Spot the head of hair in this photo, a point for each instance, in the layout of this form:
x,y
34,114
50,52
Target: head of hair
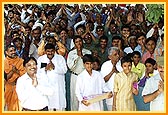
x,y
104,37
125,26
151,61
26,60
111,49
126,59
17,38
150,39
49,46
139,35
136,53
99,27
116,37
80,26
76,37
87,58
9,46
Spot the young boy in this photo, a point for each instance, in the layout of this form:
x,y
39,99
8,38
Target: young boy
x,y
123,87
137,66
89,82
153,91
150,71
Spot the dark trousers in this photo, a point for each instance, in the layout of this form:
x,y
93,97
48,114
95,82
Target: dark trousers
x,y
44,109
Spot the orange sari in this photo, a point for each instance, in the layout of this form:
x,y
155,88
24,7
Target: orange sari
x,y
11,99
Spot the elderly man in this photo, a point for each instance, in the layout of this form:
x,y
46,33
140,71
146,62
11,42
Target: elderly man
x,y
13,67
109,70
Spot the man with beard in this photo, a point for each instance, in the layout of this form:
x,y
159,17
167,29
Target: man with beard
x,y
55,67
33,87
13,67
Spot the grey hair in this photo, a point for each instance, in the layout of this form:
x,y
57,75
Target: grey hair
x,y
111,49
130,38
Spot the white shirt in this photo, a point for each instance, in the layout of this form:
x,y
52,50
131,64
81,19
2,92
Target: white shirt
x,y
151,86
75,62
87,85
105,70
33,98
56,79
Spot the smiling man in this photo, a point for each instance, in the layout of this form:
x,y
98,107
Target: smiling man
x,y
13,68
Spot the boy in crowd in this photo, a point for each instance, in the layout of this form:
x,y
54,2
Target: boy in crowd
x,y
123,87
89,82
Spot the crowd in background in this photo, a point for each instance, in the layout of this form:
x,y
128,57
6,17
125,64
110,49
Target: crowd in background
x,y
78,29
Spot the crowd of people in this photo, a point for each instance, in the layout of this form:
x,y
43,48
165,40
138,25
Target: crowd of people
x,y
58,54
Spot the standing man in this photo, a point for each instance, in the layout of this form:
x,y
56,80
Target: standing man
x,y
13,67
33,88
75,64
109,70
55,67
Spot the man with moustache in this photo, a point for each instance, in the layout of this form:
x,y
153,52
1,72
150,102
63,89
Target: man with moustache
x,y
75,64
13,68
33,87
55,67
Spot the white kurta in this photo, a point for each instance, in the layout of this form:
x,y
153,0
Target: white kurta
x,y
56,79
87,85
105,70
75,65
151,86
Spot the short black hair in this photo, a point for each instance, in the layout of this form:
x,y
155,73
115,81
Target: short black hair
x,y
126,59
17,38
151,61
87,58
150,39
26,60
136,53
104,37
75,37
9,46
49,46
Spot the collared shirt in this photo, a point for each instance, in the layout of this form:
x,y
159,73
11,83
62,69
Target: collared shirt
x,y
123,86
75,62
105,70
33,98
146,56
151,86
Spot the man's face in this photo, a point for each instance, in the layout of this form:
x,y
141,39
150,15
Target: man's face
x,y
50,53
78,43
36,34
103,43
11,52
114,57
31,67
125,32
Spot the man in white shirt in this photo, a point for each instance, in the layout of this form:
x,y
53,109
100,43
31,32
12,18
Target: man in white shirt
x,y
75,64
153,91
55,67
33,88
109,70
